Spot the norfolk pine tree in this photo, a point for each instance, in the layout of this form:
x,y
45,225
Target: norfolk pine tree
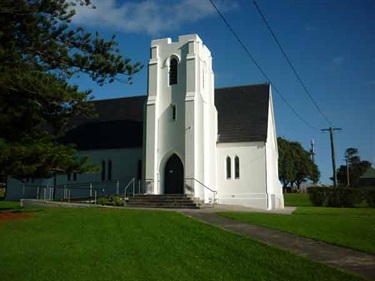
x,y
39,51
356,168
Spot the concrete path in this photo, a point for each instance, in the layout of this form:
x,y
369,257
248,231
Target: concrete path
x,y
350,260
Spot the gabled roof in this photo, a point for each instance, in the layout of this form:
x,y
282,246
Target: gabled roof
x,y
242,117
242,113
119,124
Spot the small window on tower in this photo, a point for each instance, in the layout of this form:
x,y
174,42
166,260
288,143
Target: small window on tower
x,y
174,113
173,71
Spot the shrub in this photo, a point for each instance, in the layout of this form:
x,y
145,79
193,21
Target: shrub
x,y
111,201
317,195
344,197
335,197
370,197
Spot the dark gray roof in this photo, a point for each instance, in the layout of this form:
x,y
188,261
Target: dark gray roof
x,y
242,113
119,124
242,117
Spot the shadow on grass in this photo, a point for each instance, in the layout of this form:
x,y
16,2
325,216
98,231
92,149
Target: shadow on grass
x,y
15,207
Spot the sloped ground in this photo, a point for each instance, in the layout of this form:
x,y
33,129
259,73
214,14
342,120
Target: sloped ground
x,y
117,244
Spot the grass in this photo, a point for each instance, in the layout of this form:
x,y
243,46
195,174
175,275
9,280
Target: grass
x,y
348,227
12,205
2,192
296,199
302,199
114,244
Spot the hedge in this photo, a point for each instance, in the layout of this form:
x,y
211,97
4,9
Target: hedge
x,y
370,198
336,197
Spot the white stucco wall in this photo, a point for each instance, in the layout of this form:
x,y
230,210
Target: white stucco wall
x,y
274,187
192,135
124,168
250,189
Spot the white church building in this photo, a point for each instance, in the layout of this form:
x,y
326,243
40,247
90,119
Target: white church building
x,y
184,137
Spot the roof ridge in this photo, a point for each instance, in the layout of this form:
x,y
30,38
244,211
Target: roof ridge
x,y
145,96
241,86
120,98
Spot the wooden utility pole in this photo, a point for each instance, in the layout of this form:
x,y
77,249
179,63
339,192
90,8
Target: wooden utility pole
x,y
331,130
347,171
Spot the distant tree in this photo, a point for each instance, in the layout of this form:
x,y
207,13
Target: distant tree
x,y
286,162
315,174
39,52
356,168
295,165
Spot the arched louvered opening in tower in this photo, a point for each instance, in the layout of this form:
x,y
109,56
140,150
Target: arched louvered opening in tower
x,y
173,71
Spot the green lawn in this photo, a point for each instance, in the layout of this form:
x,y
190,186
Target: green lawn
x,y
296,199
349,227
114,244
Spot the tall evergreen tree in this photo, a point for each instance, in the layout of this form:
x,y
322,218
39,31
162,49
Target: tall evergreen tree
x,y
39,51
295,165
356,168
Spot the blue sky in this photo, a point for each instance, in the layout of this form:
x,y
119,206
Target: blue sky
x,y
331,43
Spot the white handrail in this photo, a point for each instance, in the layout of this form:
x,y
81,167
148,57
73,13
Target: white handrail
x,y
214,192
132,181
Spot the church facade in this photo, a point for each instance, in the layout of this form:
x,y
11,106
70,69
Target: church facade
x,y
185,136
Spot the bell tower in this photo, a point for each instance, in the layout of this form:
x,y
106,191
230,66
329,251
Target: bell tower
x,y
181,118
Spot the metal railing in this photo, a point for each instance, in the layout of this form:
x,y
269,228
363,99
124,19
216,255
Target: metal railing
x,y
130,184
85,190
213,199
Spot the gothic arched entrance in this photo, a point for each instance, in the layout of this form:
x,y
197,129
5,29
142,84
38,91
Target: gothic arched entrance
x,y
174,176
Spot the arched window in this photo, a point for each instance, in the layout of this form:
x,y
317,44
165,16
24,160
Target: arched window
x,y
174,112
236,167
173,71
139,170
229,168
103,170
109,170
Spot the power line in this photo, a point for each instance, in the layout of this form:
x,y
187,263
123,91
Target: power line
x,y
290,64
260,68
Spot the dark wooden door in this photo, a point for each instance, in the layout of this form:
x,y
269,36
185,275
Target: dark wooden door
x,y
174,176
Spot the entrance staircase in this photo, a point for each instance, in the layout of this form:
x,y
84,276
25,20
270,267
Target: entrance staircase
x,y
171,201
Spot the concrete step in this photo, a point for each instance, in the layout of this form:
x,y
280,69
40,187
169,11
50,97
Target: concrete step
x,y
133,199
166,206
180,201
158,196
